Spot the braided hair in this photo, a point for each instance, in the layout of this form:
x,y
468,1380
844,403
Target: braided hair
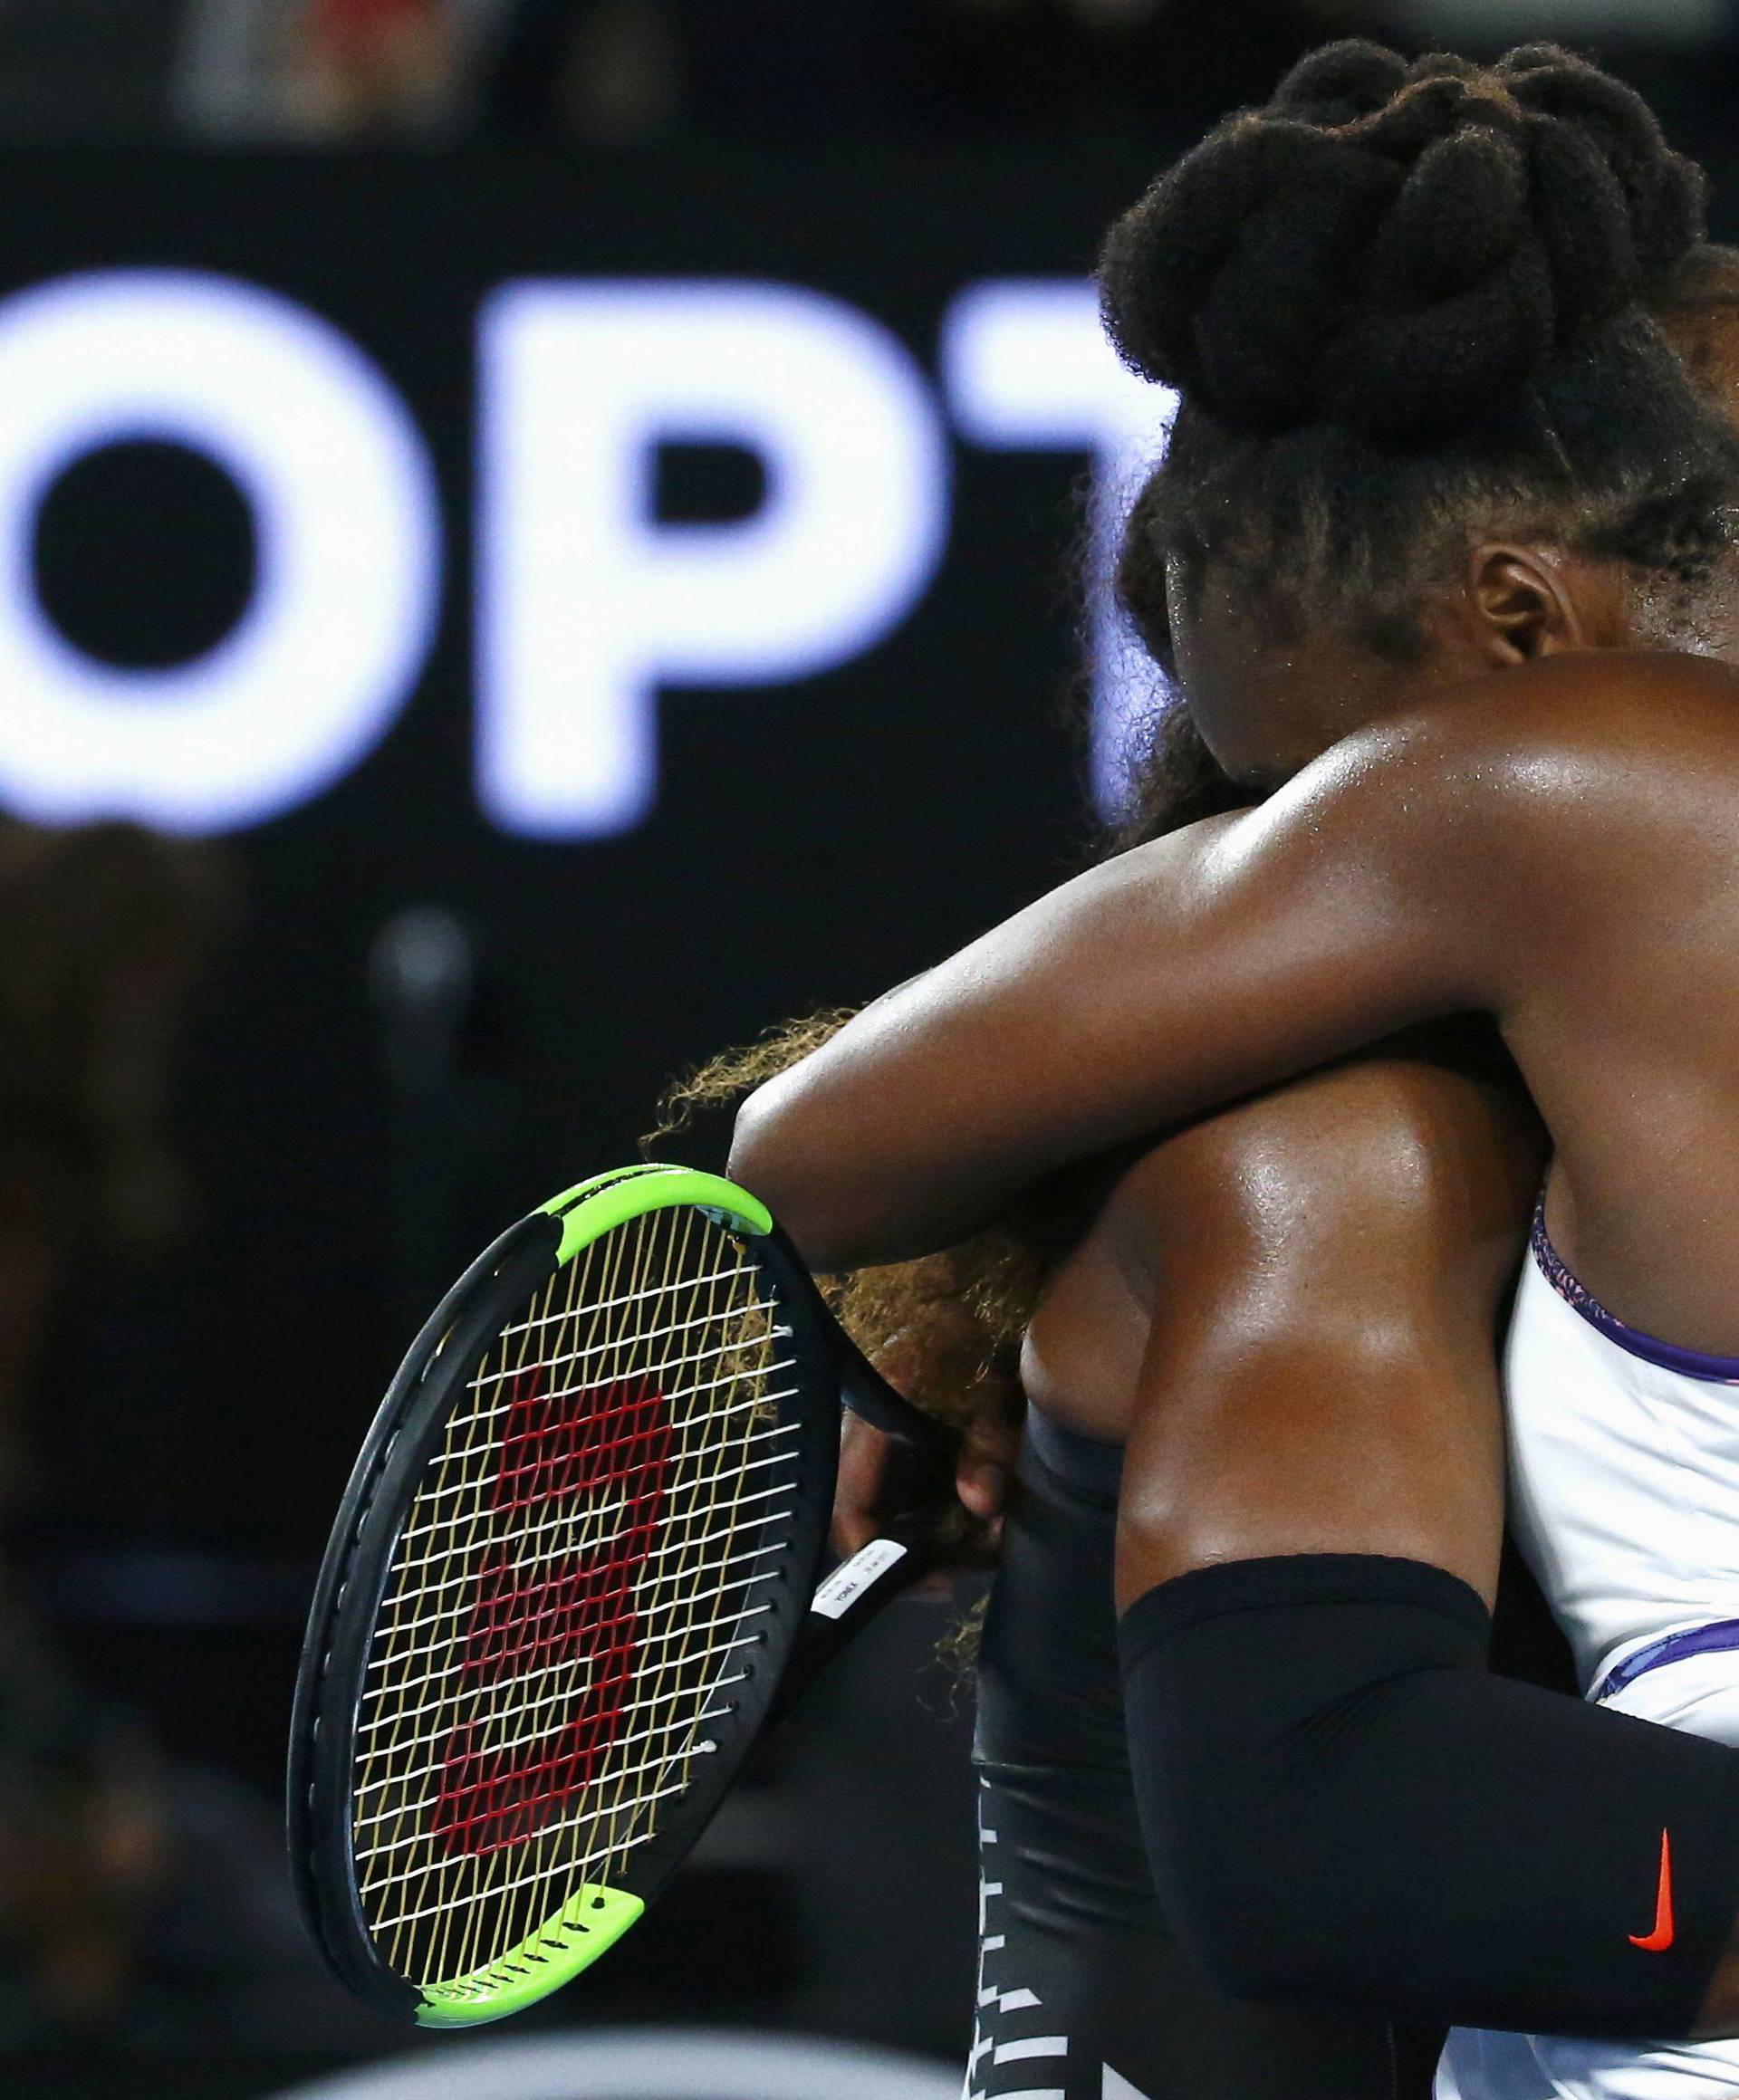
x,y
1401,304
1421,397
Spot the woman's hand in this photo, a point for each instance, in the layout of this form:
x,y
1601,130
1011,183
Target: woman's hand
x,y
875,1488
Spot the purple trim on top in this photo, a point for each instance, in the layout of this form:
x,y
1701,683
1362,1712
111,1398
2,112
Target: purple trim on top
x,y
1718,1638
1693,1363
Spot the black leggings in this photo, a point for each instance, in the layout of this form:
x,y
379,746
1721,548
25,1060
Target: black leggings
x,y
1084,1992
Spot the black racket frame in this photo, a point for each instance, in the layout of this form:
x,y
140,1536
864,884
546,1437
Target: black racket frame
x,y
793,1645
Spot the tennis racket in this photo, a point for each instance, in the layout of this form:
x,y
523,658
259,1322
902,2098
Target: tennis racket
x,y
571,1581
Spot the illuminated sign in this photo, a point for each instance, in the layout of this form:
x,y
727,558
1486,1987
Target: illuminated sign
x,y
1026,367
346,523
587,605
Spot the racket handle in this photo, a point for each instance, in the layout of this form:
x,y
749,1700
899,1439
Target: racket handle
x,y
857,1591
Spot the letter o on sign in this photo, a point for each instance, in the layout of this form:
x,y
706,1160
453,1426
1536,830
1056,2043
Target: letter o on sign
x,y
347,526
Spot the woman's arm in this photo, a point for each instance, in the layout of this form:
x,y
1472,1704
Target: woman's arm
x,y
1552,846
1339,1802
1331,1261
1179,975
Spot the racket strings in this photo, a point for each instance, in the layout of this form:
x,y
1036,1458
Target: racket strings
x,y
628,1298
631,1708
434,1591
572,1588
431,1501
523,1780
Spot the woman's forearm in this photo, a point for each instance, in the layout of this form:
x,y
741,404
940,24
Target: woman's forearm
x,y
935,1106
1341,1805
1175,978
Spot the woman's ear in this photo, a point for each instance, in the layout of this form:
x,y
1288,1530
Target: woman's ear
x,y
1525,601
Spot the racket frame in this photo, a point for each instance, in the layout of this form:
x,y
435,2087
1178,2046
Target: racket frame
x,y
406,1432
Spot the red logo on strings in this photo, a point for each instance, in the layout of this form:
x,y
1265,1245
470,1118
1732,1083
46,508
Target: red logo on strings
x,y
540,1609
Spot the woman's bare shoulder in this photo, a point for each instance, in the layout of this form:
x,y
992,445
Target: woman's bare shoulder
x,y
1570,777
1653,701
1420,1139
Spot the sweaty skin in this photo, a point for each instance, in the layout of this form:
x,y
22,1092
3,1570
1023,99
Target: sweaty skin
x,y
1234,1350
1289,1313
1557,846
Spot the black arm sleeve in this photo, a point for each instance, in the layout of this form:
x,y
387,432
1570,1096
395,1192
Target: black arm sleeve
x,y
1341,1804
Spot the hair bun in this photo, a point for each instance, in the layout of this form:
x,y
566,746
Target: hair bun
x,y
1393,247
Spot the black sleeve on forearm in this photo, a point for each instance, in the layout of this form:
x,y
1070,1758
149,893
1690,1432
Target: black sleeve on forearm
x,y
1341,1804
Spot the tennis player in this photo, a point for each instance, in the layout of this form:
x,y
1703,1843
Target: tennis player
x,y
1552,843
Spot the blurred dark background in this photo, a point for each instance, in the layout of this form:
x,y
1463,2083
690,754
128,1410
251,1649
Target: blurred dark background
x,y
356,995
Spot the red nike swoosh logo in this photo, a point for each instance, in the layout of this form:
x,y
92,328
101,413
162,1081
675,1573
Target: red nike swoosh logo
x,y
1661,1938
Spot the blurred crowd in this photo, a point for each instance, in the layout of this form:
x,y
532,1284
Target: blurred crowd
x,y
621,72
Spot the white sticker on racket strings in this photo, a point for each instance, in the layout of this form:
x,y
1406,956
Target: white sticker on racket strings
x,y
848,1581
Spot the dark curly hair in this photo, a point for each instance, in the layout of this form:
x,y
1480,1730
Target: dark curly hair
x,y
1401,301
